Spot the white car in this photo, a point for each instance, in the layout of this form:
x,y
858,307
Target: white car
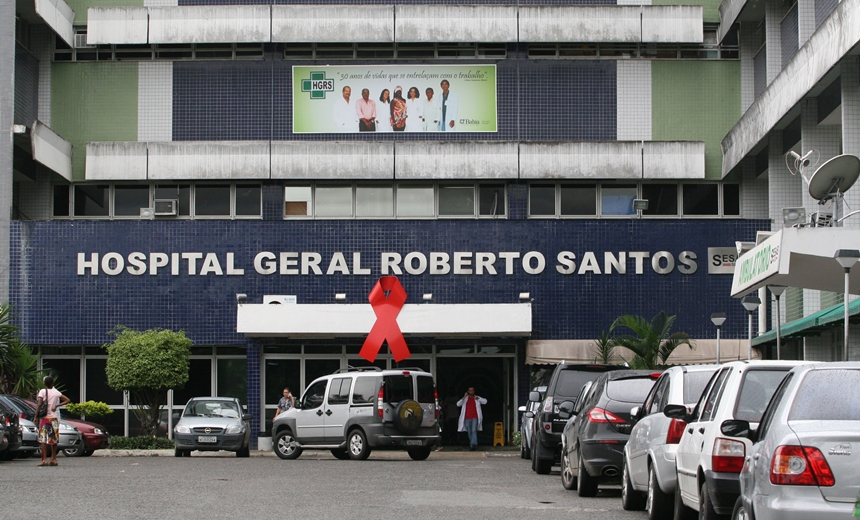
x,y
707,461
648,474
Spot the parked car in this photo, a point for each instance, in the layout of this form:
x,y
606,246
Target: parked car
x,y
212,424
70,437
648,474
707,462
801,464
598,428
12,432
564,385
94,435
526,423
356,410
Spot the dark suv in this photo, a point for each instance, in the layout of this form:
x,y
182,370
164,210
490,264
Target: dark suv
x,y
564,385
356,410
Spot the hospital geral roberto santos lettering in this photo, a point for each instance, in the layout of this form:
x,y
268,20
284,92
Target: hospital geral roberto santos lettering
x,y
414,263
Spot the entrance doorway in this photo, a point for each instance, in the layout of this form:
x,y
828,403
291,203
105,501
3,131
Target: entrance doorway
x,y
492,378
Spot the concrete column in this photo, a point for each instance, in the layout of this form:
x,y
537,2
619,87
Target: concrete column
x,y
748,50
755,190
254,392
774,10
784,189
7,115
851,126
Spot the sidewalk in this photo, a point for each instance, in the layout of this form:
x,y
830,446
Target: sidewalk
x,y
448,452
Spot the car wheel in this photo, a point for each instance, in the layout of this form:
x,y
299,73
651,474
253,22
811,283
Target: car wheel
x,y
658,504
631,500
357,446
286,446
176,453
244,452
681,511
532,457
568,479
419,453
73,452
587,484
340,453
408,416
186,453
88,453
740,511
542,465
528,451
706,507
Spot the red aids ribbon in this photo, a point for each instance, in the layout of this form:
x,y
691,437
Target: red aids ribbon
x,y
386,329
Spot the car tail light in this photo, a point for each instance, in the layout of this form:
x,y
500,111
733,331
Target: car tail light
x,y
547,404
728,455
380,401
22,416
800,466
436,400
676,430
599,415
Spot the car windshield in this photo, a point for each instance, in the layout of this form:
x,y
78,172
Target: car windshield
x,y
694,384
756,390
822,396
570,383
629,390
203,408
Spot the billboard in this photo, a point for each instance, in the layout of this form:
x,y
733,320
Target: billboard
x,y
394,98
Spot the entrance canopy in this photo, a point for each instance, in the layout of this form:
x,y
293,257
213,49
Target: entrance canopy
x,y
798,257
430,319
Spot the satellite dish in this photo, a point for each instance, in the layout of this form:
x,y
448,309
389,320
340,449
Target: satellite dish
x,y
834,177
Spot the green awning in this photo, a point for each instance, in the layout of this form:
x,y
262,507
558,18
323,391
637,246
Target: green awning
x,y
810,325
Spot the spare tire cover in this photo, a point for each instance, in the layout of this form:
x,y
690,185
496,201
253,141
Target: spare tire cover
x,y
408,416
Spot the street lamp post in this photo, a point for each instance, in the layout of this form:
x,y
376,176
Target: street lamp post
x,y
718,318
846,258
777,291
750,303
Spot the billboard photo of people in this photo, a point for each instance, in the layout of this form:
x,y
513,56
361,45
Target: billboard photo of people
x,y
394,98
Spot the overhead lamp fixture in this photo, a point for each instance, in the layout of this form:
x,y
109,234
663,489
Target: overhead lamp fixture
x,y
718,318
750,303
427,297
793,217
340,297
242,298
525,297
777,291
846,258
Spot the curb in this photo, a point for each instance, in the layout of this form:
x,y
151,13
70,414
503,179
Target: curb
x,y
318,454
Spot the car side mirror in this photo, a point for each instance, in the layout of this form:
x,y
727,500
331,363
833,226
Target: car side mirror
x,y
521,409
565,409
529,415
634,413
534,396
676,411
737,428
247,417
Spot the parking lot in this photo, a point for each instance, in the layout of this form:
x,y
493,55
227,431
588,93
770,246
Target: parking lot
x,y
480,485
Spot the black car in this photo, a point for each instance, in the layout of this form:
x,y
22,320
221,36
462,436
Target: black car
x,y
12,433
564,385
598,427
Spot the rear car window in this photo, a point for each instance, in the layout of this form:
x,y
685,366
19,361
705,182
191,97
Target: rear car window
x,y
425,389
757,388
364,390
629,390
694,384
570,382
822,396
398,388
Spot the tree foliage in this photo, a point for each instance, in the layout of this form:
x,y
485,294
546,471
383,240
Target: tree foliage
x,y
19,367
147,364
89,409
651,342
604,349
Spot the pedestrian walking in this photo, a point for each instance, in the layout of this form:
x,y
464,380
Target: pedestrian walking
x,y
471,417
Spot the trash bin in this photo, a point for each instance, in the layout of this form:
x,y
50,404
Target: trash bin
x,y
264,443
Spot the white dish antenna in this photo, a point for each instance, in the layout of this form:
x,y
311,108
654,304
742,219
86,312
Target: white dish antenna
x,y
834,178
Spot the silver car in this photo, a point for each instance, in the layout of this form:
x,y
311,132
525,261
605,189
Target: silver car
x,y
803,462
213,424
529,412
70,438
648,474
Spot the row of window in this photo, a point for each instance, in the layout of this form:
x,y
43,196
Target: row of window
x,y
389,51
565,199
385,200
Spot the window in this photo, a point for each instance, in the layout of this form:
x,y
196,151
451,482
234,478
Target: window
x,y
491,200
732,200
334,201
248,200
61,200
298,201
338,391
709,398
826,386
92,200
701,199
212,200
617,199
128,200
364,390
578,199
542,200
314,396
756,390
415,201
398,388
374,201
456,201
179,192
662,199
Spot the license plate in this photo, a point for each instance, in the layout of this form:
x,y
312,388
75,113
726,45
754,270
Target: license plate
x,y
207,439
414,443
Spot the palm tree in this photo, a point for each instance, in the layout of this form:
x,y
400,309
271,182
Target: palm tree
x,y
651,343
604,348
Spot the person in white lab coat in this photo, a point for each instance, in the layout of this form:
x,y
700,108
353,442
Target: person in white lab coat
x,y
345,118
432,111
414,111
449,108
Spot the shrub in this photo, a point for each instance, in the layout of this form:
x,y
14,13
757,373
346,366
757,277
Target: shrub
x,y
142,442
517,439
89,408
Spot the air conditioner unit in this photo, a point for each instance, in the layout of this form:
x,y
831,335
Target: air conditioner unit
x,y
81,41
166,207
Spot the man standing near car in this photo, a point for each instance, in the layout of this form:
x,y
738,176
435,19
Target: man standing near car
x,y
471,418
49,425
